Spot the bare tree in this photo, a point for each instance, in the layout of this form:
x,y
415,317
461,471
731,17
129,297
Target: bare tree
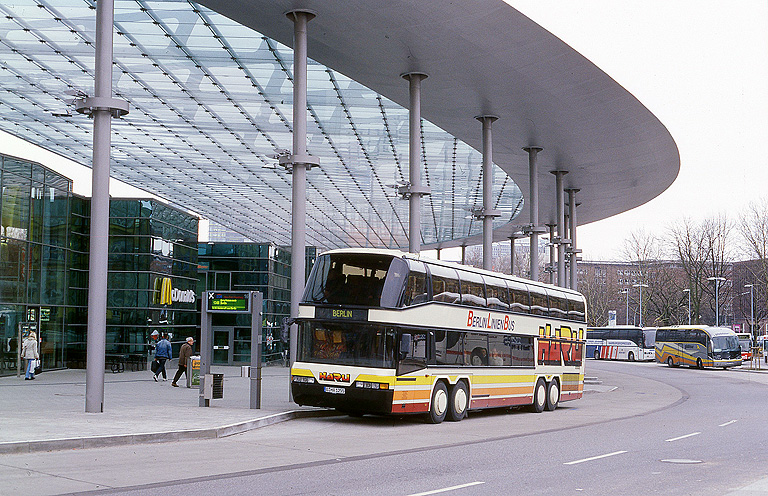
x,y
661,297
753,227
704,251
601,294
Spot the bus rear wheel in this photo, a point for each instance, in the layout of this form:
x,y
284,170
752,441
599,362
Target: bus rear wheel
x,y
539,396
439,407
631,357
459,399
670,362
596,355
553,395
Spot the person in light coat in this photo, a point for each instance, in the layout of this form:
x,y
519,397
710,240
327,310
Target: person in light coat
x,y
30,354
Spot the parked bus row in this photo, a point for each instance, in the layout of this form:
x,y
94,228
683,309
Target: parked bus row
x,y
386,332
695,346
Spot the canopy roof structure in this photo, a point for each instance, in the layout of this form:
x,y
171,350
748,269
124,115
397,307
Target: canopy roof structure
x,y
210,100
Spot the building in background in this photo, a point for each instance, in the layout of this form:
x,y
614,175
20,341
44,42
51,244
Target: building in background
x,y
35,231
260,267
157,271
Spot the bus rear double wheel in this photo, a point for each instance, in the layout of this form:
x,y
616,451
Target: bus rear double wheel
x,y
448,402
545,396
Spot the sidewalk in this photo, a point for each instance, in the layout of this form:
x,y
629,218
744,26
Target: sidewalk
x,y
49,412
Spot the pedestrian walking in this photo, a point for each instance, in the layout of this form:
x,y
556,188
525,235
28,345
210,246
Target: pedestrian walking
x,y
30,354
184,353
162,354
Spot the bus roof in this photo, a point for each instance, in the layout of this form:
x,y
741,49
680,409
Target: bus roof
x,y
711,330
421,258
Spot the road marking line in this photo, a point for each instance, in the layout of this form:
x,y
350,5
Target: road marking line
x,y
594,458
446,489
682,437
728,423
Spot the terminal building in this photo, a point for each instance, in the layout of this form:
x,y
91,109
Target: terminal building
x,y
297,124
157,270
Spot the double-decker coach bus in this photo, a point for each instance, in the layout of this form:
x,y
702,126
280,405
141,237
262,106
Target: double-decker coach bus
x,y
621,343
697,346
386,332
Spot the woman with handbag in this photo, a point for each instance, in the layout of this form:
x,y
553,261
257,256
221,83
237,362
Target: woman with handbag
x,y
30,354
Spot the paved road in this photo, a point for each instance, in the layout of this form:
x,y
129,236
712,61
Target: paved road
x,y
628,440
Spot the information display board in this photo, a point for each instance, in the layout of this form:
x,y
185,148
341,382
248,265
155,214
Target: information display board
x,y
229,301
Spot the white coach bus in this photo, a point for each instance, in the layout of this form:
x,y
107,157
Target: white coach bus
x,y
387,332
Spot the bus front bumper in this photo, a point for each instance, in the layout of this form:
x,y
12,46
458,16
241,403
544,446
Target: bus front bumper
x,y
348,399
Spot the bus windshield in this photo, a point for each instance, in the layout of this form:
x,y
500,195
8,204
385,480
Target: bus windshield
x,y
370,280
724,343
649,338
346,344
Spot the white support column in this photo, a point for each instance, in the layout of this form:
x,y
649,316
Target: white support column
x,y
102,107
297,164
512,255
552,254
534,229
414,190
561,236
573,249
487,213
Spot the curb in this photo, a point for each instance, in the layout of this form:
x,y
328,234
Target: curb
x,y
22,447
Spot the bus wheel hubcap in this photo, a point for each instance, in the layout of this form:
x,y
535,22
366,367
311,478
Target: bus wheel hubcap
x,y
441,402
460,401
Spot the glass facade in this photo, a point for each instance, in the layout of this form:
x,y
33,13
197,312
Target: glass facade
x,y
249,267
151,281
157,271
34,254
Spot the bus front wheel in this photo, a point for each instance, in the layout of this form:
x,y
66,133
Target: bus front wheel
x,y
596,355
553,395
670,362
459,399
439,404
539,396
699,363
631,357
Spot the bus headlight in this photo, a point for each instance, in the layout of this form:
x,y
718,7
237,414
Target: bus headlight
x,y
371,385
303,379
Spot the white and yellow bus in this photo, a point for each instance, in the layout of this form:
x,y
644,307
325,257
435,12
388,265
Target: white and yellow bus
x,y
387,332
697,346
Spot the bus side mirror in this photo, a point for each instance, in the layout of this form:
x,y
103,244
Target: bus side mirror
x,y
405,345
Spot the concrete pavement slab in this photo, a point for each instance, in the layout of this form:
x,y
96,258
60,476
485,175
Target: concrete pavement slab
x,y
49,412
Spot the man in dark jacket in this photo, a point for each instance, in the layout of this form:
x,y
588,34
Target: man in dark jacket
x,y
162,354
184,353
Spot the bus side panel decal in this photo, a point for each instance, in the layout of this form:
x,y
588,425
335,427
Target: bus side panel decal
x,y
411,399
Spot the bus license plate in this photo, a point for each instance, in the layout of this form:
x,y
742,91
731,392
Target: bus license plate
x,y
334,390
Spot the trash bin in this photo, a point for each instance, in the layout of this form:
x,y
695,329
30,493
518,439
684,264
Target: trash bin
x,y
218,386
193,371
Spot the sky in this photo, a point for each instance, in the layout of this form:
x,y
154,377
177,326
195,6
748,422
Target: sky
x,y
700,66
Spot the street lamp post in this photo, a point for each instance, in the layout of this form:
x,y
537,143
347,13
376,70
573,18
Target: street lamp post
x,y
751,310
689,304
641,286
626,292
717,300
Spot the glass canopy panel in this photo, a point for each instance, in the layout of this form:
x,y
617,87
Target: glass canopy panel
x,y
211,105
